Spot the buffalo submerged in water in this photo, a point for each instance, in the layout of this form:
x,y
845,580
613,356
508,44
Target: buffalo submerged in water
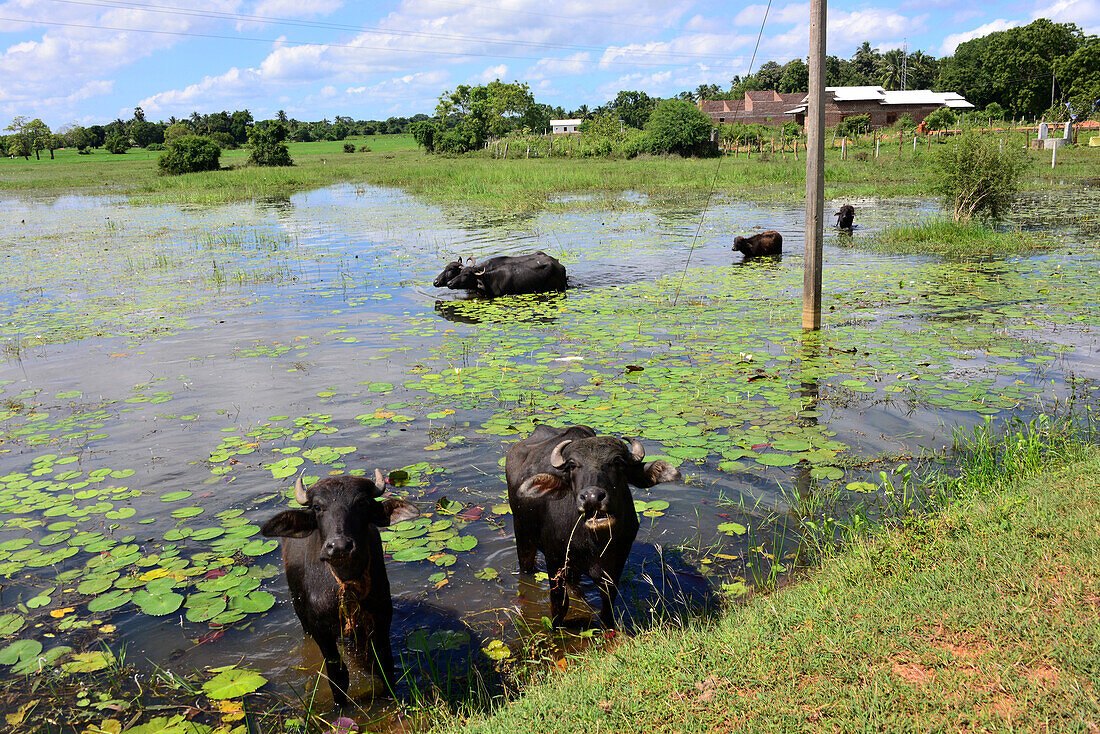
x,y
504,275
569,491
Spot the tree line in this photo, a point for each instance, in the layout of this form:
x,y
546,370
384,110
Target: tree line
x,y
29,137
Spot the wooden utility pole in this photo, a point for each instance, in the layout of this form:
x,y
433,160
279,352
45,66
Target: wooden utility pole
x,y
815,170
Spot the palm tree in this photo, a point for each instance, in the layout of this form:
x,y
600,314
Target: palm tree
x,y
889,66
921,70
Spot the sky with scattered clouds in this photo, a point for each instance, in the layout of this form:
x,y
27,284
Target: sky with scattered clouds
x,y
90,61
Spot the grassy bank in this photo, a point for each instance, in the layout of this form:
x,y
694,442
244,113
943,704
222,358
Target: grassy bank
x,y
948,238
983,616
515,184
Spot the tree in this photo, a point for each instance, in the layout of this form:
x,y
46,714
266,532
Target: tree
x,y
677,126
145,133
633,108
1079,75
864,63
239,123
976,176
139,114
117,143
176,130
97,135
424,133
795,78
890,68
940,119
267,147
190,154
921,70
19,143
38,136
1014,67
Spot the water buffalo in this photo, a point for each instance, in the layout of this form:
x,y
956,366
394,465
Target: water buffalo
x,y
570,497
845,216
505,275
759,245
332,555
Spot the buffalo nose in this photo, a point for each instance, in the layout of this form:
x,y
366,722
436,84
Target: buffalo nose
x,y
593,499
338,547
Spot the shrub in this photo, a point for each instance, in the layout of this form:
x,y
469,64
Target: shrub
x,y
994,111
677,126
975,176
853,125
791,130
349,147
906,122
155,146
84,151
267,147
364,149
940,119
425,132
176,130
189,154
117,144
223,140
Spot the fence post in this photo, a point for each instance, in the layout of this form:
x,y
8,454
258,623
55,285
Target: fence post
x,y
876,148
844,148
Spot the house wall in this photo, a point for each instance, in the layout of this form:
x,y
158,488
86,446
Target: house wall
x,y
768,108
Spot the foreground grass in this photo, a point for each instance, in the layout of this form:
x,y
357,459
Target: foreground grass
x,y
949,238
985,616
522,184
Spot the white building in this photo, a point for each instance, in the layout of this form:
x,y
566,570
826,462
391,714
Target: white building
x,y
561,127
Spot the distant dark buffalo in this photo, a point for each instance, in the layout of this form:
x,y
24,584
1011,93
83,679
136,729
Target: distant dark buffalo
x,y
845,216
570,497
759,245
505,275
332,554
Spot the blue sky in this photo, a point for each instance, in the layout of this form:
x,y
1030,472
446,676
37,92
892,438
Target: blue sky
x,y
89,61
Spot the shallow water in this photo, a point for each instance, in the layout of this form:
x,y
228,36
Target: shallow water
x,y
208,349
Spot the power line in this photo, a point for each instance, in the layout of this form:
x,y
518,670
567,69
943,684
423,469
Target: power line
x,y
325,25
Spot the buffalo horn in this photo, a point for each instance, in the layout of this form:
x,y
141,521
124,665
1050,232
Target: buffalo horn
x,y
469,261
636,449
300,495
556,459
379,480
480,272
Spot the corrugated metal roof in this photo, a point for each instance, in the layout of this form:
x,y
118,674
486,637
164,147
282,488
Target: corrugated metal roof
x,y
913,96
854,94
566,122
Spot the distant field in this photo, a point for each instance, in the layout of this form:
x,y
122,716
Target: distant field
x,y
515,184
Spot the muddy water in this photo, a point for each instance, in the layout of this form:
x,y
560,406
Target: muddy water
x,y
194,349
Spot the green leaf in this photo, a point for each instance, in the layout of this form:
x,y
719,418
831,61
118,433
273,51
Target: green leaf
x,y
88,662
10,624
20,650
159,604
110,600
233,683
732,528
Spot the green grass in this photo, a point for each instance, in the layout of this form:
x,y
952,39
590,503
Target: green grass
x,y
983,616
948,238
480,181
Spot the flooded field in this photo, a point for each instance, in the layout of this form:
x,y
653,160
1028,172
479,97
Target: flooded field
x,y
166,372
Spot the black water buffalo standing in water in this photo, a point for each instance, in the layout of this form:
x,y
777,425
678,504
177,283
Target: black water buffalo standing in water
x,y
332,555
570,498
505,275
759,245
845,216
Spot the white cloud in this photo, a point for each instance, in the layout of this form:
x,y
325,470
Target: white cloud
x,y
577,63
952,41
1085,13
500,71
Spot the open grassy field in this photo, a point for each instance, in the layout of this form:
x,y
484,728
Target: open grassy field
x,y
983,617
514,184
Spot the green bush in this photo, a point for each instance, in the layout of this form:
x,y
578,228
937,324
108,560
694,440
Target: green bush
x,y
155,146
940,119
994,111
189,154
853,125
349,147
267,147
424,132
742,133
679,127
117,144
364,149
976,176
225,141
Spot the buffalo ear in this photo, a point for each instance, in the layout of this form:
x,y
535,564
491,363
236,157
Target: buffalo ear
x,y
395,510
655,472
541,485
290,524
